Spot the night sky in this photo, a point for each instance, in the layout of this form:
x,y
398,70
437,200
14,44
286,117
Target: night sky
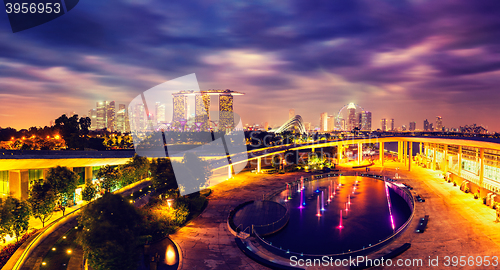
x,y
407,60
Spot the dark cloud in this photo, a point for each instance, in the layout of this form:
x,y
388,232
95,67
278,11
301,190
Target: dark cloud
x,y
374,50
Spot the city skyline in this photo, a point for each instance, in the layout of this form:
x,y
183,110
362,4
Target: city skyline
x,y
436,63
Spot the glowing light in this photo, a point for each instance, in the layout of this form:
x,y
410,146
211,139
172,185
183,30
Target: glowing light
x,y
57,137
69,251
340,221
170,258
53,249
169,203
64,237
23,138
44,263
317,207
12,138
390,207
322,201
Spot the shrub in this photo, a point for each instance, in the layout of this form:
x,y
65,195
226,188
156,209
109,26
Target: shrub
x,y
455,183
11,248
466,189
476,196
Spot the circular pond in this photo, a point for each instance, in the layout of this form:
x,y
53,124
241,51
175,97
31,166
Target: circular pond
x,y
338,215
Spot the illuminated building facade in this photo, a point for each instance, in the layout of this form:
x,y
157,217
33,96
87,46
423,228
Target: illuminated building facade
x,y
426,125
159,113
180,107
365,120
202,111
100,115
323,122
413,126
439,123
110,115
351,123
121,118
202,115
383,124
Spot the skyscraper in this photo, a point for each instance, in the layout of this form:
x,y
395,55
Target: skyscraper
x,y
100,115
351,123
331,123
439,123
291,113
426,125
121,117
323,122
413,126
339,122
110,116
160,113
365,120
392,124
383,124
180,108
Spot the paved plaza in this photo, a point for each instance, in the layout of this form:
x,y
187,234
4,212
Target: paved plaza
x,y
458,224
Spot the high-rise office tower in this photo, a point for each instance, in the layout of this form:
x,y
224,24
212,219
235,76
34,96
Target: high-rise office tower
x,y
383,124
180,108
121,118
101,114
323,122
331,123
426,125
365,120
160,113
351,123
413,126
291,113
392,124
110,115
339,123
439,123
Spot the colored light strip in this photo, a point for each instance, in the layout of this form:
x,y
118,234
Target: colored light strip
x,y
390,207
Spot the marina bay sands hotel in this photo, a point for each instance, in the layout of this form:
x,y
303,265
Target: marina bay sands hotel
x,y
203,117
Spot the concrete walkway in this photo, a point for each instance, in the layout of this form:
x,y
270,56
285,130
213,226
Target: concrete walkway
x,y
458,224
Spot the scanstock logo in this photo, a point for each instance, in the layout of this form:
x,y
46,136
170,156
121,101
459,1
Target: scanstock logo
x,y
157,139
25,14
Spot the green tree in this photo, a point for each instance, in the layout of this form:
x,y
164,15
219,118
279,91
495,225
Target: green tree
x,y
64,182
109,237
6,218
141,166
199,172
42,201
89,192
162,174
20,216
109,177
